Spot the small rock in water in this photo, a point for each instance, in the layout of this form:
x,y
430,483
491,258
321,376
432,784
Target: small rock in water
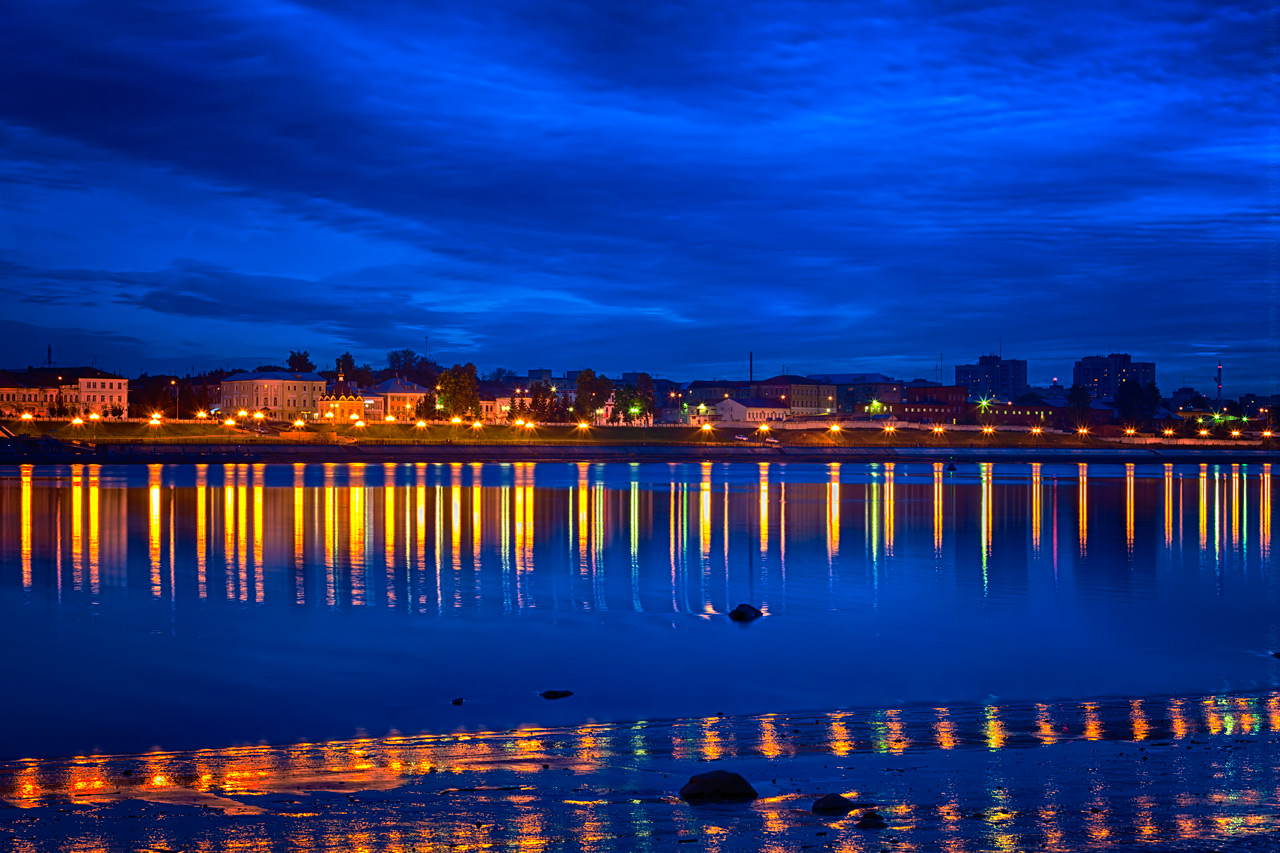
x,y
556,694
744,613
1275,654
833,804
457,701
718,786
870,819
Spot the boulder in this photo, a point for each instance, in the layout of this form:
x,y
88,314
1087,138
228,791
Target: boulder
x,y
556,694
870,819
457,701
744,613
718,786
833,804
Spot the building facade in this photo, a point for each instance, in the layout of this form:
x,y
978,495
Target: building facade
x,y
994,378
63,392
279,395
803,396
751,410
1102,375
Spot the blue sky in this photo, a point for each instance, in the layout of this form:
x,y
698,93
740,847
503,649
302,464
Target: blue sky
x,y
640,185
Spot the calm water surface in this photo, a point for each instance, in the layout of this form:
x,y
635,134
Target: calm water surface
x,y
186,606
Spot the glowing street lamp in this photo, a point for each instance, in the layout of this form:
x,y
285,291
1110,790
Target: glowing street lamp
x,y
1036,430
353,417
1235,433
93,416
988,430
328,414
1203,433
360,424
257,416
1266,433
229,422
1168,432
389,418
763,428
1083,430
937,430
242,414
477,425
77,421
835,427
299,423
706,427
420,425
1130,431
26,416
582,425
890,428
202,414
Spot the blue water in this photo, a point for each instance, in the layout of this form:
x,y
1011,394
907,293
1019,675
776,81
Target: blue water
x,y
184,607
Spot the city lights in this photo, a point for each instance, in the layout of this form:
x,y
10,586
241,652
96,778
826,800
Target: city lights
x,y
706,427
242,414
360,424
835,427
988,430
1083,430
390,418
257,416
1203,433
937,430
93,416
890,428
455,420
1168,432
77,421
582,425
420,425
1130,431
1235,433
229,422
202,414
1035,430
299,423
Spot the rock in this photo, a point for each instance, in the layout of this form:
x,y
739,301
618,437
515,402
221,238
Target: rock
x,y
457,701
833,804
870,819
744,613
718,786
556,694
1275,654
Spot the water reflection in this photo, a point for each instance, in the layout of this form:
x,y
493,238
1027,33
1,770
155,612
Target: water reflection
x,y
512,788
883,558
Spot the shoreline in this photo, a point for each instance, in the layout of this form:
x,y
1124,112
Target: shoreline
x,y
1168,774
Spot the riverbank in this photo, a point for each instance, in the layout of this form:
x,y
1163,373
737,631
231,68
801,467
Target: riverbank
x,y
512,453
1176,774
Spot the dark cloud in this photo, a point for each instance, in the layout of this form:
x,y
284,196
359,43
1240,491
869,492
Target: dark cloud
x,y
647,184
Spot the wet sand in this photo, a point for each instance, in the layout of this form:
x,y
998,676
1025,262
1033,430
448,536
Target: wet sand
x,y
1170,774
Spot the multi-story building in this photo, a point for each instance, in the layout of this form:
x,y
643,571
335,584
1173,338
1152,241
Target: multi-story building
x,y
1103,374
400,397
994,378
853,391
279,395
803,396
63,392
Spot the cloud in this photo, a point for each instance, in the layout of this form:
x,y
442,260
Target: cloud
x,y
841,183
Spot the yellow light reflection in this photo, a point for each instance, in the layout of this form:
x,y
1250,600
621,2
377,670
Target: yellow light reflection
x,y
833,513
153,526
77,525
25,521
1092,722
1045,732
1138,719
202,531
889,526
259,535
1037,506
1128,506
1083,508
1168,506
944,729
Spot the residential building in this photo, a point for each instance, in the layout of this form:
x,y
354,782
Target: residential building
x,y
1102,374
853,391
751,410
278,394
712,391
63,391
802,395
400,398
994,378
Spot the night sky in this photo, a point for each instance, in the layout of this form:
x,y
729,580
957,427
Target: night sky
x,y
642,185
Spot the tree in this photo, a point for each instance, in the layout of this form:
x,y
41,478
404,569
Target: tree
x,y
1129,401
299,361
269,368
457,391
402,361
346,364
1078,399
593,393
501,374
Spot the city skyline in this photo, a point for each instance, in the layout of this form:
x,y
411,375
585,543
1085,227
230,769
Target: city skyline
x,y
653,187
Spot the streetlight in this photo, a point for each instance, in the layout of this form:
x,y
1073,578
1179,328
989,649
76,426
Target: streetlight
x,y
890,429
938,430
706,427
835,428
1083,430
988,430
1035,430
